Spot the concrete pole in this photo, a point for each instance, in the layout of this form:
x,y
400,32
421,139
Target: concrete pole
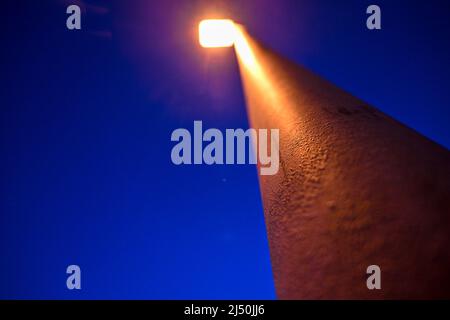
x,y
355,188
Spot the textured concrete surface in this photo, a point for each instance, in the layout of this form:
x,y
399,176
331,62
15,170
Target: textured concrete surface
x,y
355,188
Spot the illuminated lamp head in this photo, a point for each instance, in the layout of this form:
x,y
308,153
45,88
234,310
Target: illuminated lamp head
x,y
217,33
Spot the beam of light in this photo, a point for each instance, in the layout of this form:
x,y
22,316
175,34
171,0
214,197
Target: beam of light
x,y
216,33
257,77
247,59
245,54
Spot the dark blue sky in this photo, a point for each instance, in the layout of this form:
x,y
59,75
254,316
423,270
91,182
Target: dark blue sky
x,y
86,118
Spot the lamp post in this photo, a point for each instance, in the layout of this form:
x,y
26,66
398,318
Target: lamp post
x,y
355,188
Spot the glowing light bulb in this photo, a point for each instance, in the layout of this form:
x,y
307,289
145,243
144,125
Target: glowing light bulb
x,y
216,33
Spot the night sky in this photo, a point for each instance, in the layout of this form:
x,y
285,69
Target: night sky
x,y
86,118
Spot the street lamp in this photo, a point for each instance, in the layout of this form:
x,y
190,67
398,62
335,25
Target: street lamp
x,y
355,188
